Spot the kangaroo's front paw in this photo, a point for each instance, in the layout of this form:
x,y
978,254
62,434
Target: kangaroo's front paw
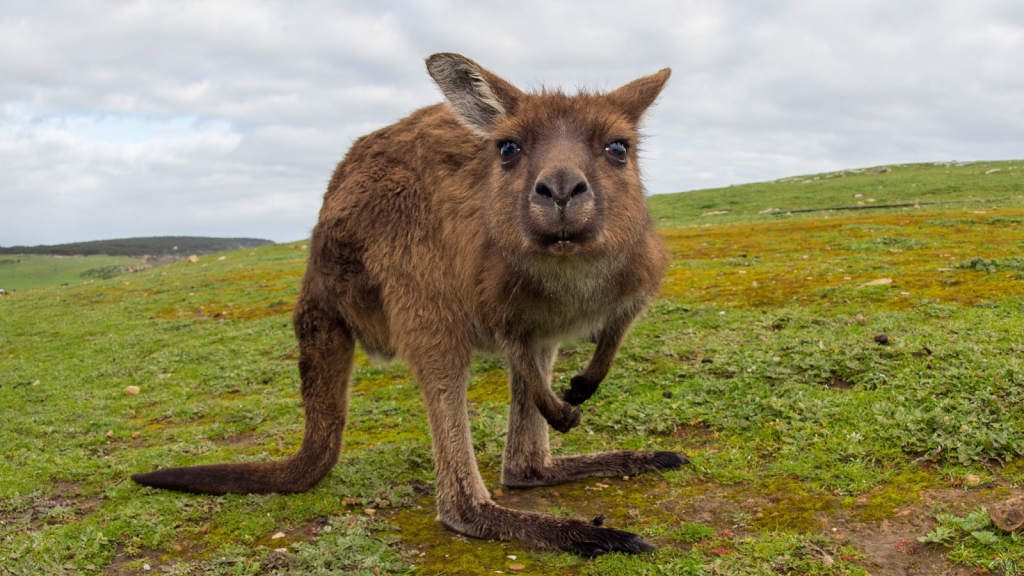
x,y
567,419
579,391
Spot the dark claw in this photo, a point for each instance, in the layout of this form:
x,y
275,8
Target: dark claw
x,y
570,419
661,460
598,520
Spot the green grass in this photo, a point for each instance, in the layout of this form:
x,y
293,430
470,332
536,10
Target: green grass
x,y
978,183
809,441
30,272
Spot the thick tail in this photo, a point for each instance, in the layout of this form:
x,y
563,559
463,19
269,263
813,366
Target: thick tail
x,y
327,350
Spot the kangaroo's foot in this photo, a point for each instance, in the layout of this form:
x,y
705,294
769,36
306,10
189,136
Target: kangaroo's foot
x,y
569,468
587,539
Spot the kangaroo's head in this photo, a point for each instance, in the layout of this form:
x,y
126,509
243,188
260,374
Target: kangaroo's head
x,y
563,178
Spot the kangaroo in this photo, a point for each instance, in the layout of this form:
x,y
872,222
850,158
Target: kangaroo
x,y
500,221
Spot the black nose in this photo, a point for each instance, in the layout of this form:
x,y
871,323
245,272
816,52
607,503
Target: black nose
x,y
561,186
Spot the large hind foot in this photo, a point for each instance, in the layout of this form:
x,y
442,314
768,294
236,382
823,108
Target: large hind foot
x,y
587,539
569,468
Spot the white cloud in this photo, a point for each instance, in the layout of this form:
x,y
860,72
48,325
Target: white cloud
x,y
226,118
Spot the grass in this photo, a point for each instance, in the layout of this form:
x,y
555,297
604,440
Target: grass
x,y
815,449
30,272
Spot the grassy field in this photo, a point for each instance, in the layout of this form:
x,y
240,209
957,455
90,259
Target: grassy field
x,y
29,272
815,448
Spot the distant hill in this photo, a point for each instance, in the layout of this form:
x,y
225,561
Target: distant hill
x,y
173,246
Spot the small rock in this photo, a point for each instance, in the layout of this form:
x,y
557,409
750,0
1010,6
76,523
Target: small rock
x,y
36,383
222,258
972,480
136,434
369,511
827,560
556,442
1008,515
131,390
280,550
666,394
517,567
663,485
277,536
110,433
861,319
303,247
879,282
511,556
193,259
145,567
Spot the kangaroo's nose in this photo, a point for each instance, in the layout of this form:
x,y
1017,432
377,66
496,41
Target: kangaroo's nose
x,y
560,186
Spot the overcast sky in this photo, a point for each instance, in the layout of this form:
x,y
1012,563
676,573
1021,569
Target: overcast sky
x,y
226,117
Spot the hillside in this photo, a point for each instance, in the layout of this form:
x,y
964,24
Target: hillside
x,y
848,386
933,186
182,246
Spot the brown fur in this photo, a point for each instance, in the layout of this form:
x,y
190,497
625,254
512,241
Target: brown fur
x,y
428,246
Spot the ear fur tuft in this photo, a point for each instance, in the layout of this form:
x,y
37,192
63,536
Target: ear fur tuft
x,y
636,97
478,98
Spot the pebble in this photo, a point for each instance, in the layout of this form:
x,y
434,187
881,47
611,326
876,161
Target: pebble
x,y
972,480
861,319
517,567
369,511
278,535
131,390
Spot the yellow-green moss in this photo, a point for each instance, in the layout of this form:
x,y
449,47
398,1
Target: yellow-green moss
x,y
885,502
794,508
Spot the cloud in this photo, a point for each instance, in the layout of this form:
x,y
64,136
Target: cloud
x,y
227,118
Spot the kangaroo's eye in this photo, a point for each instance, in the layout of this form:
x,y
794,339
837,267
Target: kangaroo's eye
x,y
617,150
508,151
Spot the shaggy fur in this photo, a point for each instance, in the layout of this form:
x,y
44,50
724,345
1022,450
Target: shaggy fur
x,y
437,238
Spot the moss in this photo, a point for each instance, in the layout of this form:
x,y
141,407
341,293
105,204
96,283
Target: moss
x,y
825,261
490,386
795,508
885,502
1013,472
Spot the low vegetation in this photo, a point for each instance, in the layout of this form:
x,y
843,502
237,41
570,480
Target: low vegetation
x,y
135,247
817,445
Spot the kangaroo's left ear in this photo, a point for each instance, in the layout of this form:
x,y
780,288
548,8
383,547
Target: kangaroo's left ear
x,y
636,97
479,98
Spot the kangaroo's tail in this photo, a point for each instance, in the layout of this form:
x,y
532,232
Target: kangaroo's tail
x,y
327,351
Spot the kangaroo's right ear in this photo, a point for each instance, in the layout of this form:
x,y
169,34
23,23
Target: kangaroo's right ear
x,y
479,98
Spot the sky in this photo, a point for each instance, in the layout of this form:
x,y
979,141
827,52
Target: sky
x,y
227,117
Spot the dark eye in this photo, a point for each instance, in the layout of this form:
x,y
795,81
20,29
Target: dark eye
x,y
508,151
617,150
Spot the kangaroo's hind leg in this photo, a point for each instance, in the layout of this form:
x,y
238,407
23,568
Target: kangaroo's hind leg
x,y
527,460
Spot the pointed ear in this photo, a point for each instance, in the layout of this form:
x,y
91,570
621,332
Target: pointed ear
x,y
636,97
478,98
